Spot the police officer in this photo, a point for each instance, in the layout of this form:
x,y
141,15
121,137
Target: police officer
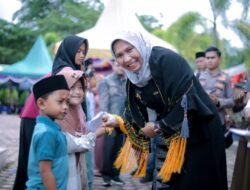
x,y
217,84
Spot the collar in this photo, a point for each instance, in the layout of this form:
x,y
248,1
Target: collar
x,y
48,122
215,73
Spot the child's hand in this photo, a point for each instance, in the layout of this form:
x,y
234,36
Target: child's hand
x,y
109,120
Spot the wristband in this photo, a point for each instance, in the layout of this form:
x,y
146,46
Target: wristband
x,y
157,127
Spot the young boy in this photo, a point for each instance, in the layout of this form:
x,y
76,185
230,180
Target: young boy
x,y
48,161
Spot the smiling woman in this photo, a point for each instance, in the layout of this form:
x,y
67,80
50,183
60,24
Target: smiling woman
x,y
187,129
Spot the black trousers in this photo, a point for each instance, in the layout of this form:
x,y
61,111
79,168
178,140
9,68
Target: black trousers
x,y
26,130
112,145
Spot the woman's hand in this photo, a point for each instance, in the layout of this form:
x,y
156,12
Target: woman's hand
x,y
149,130
108,120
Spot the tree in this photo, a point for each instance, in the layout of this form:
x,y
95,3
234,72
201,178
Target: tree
x,y
61,16
191,30
53,19
15,41
50,39
243,29
219,8
150,23
245,5
183,35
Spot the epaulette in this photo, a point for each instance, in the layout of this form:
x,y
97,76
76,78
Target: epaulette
x,y
223,76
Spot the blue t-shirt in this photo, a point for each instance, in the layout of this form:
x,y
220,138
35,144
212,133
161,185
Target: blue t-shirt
x,y
48,143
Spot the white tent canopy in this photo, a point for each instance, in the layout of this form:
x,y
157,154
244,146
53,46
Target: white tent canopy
x,y
117,16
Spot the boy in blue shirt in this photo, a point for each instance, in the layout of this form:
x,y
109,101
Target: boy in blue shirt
x,y
48,161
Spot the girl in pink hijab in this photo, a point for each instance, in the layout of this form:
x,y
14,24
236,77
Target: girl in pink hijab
x,y
74,126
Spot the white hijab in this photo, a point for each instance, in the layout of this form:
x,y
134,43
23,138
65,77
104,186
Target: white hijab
x,y
144,48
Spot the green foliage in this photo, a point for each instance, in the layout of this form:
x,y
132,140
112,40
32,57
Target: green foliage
x,y
219,7
1,96
9,96
63,17
243,29
75,18
183,35
54,19
149,22
57,18
50,38
33,10
245,4
23,97
15,41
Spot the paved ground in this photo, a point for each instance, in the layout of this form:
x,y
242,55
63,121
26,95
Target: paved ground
x,y
9,137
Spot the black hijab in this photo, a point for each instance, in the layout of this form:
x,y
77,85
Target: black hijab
x,y
65,56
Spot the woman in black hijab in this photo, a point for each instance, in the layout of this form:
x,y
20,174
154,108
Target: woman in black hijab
x,y
67,53
190,153
71,53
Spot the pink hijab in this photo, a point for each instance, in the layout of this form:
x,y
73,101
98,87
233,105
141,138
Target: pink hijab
x,y
75,120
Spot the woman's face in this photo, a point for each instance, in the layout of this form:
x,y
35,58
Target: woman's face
x,y
80,55
77,93
127,56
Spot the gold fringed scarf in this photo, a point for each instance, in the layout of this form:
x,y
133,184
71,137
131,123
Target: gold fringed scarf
x,y
174,159
177,148
130,155
126,160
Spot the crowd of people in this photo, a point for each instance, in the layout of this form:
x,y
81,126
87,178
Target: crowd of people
x,y
161,122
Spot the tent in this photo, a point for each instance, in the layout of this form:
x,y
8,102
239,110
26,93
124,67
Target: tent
x,y
37,63
2,66
117,16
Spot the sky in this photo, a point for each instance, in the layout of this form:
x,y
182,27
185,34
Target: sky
x,y
166,11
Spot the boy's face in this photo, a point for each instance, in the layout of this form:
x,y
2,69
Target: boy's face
x,y
77,93
56,105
